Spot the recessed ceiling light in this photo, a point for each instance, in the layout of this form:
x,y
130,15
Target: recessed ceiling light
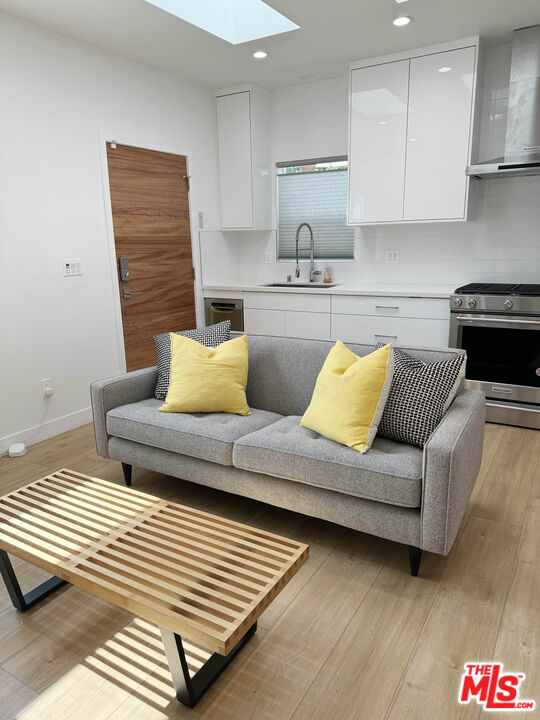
x,y
401,20
383,122
236,21
401,1
445,69
260,54
412,139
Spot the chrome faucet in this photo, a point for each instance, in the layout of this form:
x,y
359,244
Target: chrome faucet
x,y
313,274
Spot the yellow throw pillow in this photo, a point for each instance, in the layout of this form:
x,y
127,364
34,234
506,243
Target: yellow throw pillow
x,y
204,380
350,395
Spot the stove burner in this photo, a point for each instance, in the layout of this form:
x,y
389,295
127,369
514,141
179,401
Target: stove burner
x,y
499,289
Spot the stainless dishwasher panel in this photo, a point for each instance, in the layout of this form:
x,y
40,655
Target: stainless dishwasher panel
x,y
219,309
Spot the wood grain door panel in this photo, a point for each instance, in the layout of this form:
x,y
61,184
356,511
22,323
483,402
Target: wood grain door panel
x,y
150,208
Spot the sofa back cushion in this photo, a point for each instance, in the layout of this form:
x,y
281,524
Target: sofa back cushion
x,y
283,371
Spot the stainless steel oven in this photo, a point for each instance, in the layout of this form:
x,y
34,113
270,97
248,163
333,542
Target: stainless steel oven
x,y
500,331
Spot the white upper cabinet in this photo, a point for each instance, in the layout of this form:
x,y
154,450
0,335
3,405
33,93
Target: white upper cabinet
x,y
377,148
411,118
440,105
243,126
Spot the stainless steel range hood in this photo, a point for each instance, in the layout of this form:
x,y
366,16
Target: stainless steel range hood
x,y
522,147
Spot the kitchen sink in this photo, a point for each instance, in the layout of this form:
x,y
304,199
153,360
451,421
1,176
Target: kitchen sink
x,y
300,285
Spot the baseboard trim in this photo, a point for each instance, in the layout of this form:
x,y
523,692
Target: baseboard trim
x,y
49,429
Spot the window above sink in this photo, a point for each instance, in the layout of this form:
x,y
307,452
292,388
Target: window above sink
x,y
314,191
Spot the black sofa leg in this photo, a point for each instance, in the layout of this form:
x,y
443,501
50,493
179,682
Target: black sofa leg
x,y
415,555
127,473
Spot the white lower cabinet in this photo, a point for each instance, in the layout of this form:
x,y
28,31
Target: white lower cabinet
x,y
350,318
307,325
264,322
287,323
401,331
301,315
412,307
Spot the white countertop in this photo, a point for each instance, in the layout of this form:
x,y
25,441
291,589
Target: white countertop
x,y
376,289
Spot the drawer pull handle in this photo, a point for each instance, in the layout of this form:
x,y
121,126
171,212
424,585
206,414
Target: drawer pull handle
x,y
386,336
386,307
494,388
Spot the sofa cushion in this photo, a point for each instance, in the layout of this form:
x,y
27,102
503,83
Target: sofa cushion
x,y
390,472
210,336
209,436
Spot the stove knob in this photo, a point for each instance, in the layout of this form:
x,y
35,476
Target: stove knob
x,y
471,303
508,304
458,302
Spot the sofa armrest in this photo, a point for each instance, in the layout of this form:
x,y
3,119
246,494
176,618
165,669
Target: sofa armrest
x,y
452,458
113,392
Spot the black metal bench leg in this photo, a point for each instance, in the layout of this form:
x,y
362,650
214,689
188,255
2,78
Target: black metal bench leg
x,y
25,601
415,556
127,473
190,689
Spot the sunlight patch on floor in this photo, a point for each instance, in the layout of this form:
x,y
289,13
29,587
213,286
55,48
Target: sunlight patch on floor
x,y
126,674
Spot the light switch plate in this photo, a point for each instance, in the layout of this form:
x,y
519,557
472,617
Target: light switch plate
x,y
392,257
72,266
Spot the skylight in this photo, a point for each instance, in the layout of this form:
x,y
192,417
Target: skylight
x,y
236,21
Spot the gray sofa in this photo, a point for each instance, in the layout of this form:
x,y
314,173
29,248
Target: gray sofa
x,y
400,492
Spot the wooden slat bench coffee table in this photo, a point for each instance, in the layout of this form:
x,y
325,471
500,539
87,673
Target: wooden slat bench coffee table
x,y
194,574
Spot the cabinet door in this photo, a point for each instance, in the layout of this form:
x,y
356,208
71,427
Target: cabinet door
x,y
440,107
378,128
408,332
264,322
234,147
314,326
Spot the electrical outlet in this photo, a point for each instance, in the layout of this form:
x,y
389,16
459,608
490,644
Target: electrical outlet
x,y
46,387
201,220
72,267
392,257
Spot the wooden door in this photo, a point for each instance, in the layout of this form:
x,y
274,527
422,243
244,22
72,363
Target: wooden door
x,y
150,209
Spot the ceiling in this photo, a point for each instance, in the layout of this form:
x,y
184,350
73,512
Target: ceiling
x,y
332,34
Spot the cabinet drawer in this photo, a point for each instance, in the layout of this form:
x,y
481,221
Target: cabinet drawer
x,y
264,322
401,331
392,306
308,302
307,325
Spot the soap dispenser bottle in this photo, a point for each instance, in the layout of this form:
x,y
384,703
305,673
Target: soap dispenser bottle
x,y
328,274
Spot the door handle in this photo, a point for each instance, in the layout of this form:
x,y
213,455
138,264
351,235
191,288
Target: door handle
x,y
127,293
502,321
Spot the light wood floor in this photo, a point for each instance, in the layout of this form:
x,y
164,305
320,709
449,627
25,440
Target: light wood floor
x,y
352,636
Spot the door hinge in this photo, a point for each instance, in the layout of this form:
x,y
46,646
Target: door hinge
x,y
193,272
186,178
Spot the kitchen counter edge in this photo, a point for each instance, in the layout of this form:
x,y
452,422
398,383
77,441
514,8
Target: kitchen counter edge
x,y
382,290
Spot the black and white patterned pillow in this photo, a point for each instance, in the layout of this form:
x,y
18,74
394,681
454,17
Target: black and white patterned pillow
x,y
210,336
419,396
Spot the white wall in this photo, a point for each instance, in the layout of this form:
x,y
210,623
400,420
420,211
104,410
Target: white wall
x,y
500,243
56,96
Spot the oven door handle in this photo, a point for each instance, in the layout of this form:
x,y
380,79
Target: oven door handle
x,y
499,321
